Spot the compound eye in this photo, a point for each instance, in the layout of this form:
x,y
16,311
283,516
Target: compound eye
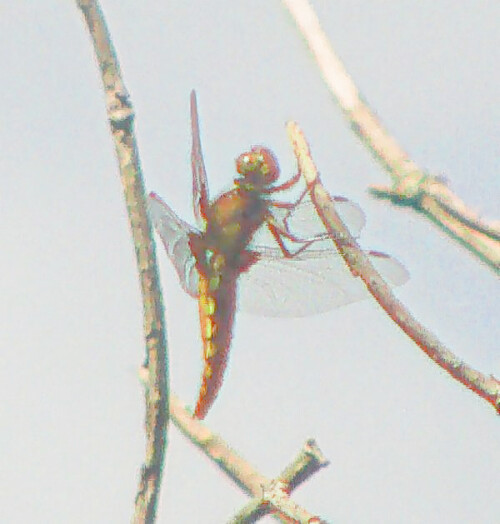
x,y
269,164
245,163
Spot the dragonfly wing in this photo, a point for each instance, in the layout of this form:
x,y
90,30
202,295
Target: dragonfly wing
x,y
174,233
304,223
200,183
315,281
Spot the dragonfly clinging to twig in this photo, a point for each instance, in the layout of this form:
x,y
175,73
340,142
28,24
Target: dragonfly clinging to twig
x,y
276,253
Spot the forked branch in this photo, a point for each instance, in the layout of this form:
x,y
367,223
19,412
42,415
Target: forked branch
x,y
269,496
411,185
121,119
360,266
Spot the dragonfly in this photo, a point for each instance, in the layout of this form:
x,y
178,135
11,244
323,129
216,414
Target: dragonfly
x,y
251,250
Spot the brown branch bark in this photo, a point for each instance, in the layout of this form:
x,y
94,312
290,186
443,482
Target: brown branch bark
x,y
411,185
308,461
360,266
121,119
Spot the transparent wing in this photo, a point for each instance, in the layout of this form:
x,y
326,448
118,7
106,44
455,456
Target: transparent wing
x,y
200,182
174,233
303,221
314,281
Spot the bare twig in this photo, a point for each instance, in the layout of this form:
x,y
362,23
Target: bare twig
x,y
359,264
411,185
121,117
243,473
308,461
277,496
428,195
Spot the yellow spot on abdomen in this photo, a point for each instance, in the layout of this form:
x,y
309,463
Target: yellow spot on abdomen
x,y
210,329
218,262
207,304
210,349
214,283
207,372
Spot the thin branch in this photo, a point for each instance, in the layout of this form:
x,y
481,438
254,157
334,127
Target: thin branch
x,y
411,185
360,265
432,198
121,118
276,498
415,188
243,473
308,461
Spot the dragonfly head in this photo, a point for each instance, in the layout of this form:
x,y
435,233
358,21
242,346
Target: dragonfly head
x,y
258,167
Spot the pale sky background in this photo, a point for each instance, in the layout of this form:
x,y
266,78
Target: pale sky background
x,y
405,441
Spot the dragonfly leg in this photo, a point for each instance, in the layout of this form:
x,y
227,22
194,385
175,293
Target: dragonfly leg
x,y
281,228
286,185
279,233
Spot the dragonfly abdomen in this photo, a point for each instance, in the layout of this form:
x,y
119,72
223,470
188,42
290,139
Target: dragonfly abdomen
x,y
218,271
216,304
